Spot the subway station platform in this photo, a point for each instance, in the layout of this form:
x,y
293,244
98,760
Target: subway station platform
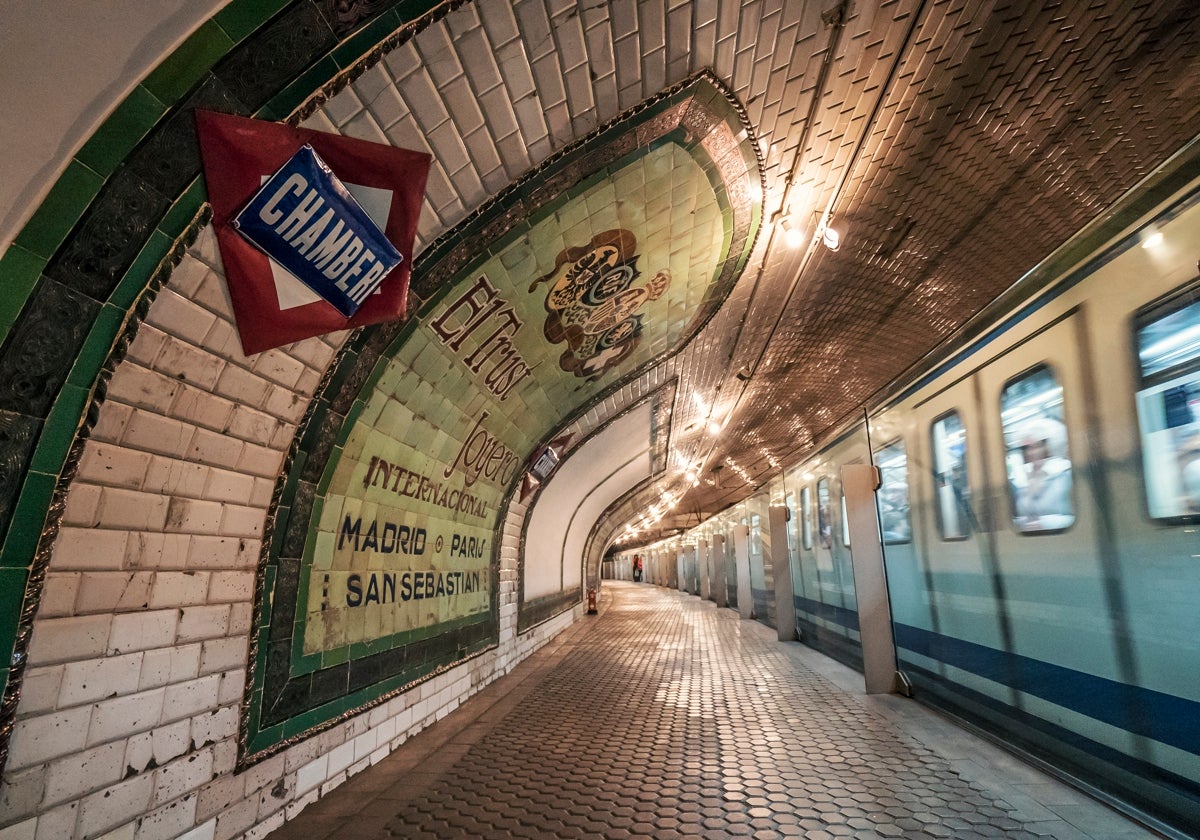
x,y
667,717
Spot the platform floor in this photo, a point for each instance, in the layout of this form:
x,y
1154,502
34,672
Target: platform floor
x,y
666,717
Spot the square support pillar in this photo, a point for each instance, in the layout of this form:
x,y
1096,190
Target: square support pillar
x,y
859,482
781,570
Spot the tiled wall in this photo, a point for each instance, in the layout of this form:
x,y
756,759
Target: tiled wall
x,y
137,669
127,724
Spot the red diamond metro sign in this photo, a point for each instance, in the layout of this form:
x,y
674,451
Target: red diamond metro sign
x,y
273,306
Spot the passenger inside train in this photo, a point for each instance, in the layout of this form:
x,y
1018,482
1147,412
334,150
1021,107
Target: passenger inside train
x,y
1044,500
1039,471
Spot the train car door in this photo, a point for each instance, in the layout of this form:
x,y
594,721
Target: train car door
x,y
956,564
741,552
806,577
720,577
1050,582
759,550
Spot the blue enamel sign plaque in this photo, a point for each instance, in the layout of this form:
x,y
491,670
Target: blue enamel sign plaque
x,y
305,219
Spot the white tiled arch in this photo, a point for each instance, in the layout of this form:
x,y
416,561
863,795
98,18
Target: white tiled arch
x,y
128,715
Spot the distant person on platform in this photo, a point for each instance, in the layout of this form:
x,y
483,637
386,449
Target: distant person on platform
x,y
637,568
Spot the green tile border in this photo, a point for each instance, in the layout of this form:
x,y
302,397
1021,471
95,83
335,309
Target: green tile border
x,y
299,90
242,17
97,347
53,221
184,210
155,250
122,131
12,599
19,273
189,63
28,520
60,429
353,49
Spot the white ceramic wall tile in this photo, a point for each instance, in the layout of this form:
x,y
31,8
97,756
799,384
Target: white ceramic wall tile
x,y
91,548
150,432
93,680
110,592
199,623
141,631
66,639
110,807
214,727
37,740
234,821
178,316
58,822
168,821
182,776
71,777
206,831
121,717
40,687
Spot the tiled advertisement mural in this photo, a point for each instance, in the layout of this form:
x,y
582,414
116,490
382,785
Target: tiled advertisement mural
x,y
383,569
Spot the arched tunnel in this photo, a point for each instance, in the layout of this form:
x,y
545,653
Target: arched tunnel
x,y
702,283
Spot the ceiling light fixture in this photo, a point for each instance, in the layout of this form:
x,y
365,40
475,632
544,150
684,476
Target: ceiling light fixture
x,y
793,234
831,238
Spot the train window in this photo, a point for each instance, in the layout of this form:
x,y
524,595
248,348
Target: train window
x,y
824,515
1039,469
1168,407
892,497
952,505
806,517
845,522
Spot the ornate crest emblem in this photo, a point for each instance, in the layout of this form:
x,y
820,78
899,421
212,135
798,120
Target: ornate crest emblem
x,y
593,301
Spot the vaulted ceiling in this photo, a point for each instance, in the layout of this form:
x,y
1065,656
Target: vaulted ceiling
x,y
952,146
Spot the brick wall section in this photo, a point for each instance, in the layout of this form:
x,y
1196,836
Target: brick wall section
x,y
128,719
137,662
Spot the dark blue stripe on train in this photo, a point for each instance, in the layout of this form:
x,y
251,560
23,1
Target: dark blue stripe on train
x,y
837,615
1142,711
1163,795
